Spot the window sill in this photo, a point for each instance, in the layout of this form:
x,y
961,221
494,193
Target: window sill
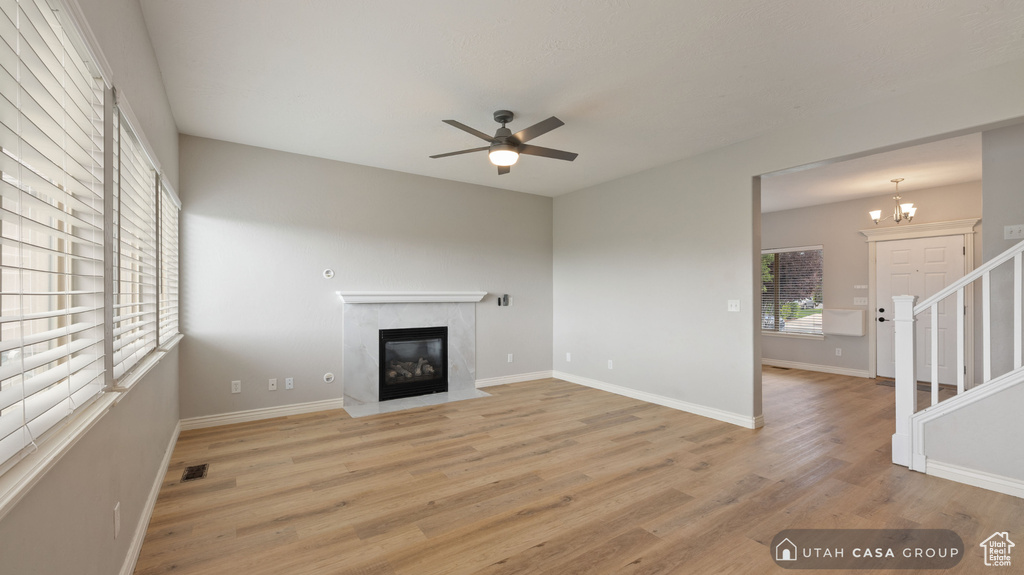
x,y
19,479
23,475
145,366
793,335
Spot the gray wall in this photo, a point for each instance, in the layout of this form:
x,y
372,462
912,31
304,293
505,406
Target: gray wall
x,y
64,524
837,228
644,265
985,436
260,226
1003,164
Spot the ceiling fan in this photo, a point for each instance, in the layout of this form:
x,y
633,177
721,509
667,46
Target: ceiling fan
x,y
505,147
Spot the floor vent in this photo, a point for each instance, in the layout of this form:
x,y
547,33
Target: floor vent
x,y
194,472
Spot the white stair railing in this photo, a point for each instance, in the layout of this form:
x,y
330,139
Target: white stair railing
x,y
906,341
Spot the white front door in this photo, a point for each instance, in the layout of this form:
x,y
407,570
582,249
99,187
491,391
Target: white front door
x,y
920,267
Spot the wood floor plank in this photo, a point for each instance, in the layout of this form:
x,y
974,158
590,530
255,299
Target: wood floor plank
x,y
551,477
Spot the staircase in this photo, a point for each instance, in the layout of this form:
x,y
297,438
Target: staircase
x,y
910,440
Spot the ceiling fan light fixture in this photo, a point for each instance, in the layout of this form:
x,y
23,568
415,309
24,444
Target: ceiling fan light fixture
x,y
503,154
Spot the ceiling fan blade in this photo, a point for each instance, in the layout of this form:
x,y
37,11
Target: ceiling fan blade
x,y
538,129
546,152
504,169
466,128
460,152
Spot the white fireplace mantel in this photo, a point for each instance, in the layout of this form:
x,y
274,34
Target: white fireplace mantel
x,y
351,297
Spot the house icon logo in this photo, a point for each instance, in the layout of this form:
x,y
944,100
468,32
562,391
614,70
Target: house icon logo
x,y
997,549
785,551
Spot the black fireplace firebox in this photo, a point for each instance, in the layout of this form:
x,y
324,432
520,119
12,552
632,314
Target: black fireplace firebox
x,y
413,361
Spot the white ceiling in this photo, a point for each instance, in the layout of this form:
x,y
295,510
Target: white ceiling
x,y
941,163
638,83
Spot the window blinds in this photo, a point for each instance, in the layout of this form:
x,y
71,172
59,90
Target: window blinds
x,y
169,209
791,290
135,251
51,229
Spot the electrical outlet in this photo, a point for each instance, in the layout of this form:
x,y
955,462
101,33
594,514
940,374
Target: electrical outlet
x,y
568,357
273,384
510,358
289,383
117,519
839,352
609,364
236,386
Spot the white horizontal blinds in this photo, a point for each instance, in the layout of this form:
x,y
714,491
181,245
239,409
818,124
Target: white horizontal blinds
x,y
791,295
135,268
51,226
169,210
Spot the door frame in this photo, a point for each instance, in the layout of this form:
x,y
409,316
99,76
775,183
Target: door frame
x,y
929,230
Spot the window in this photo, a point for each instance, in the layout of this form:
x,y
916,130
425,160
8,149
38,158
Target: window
x,y
791,281
169,208
135,250
51,255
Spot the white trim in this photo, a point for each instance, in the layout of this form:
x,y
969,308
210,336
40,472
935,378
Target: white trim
x,y
950,228
135,548
19,479
815,367
258,414
704,411
982,479
517,378
973,395
73,9
792,334
786,250
929,230
411,296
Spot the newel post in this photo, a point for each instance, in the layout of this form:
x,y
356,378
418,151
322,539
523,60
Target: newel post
x,y
906,377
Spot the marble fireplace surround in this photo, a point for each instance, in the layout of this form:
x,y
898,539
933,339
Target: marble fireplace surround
x,y
366,313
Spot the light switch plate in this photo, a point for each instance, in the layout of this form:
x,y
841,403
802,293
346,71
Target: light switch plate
x,y
860,301
1013,232
734,305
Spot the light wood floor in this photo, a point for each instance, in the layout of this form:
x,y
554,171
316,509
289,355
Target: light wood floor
x,y
551,477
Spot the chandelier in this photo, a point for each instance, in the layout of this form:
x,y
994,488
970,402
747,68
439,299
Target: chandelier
x,y
902,211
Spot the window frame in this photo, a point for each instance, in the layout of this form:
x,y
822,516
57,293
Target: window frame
x,y
19,472
773,328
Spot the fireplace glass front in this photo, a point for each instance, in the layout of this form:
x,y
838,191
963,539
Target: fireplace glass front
x,y
413,361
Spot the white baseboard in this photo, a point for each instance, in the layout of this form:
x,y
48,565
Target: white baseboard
x,y
704,411
147,510
815,367
258,414
990,481
513,378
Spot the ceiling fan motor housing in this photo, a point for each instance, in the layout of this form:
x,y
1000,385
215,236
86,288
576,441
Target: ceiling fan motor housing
x,y
503,117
